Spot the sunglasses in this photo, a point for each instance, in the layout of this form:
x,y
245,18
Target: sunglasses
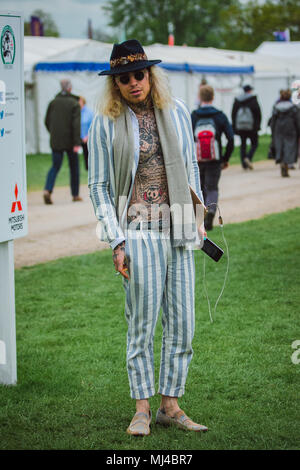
x,y
125,78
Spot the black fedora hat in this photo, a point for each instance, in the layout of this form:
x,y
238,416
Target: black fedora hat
x,y
128,56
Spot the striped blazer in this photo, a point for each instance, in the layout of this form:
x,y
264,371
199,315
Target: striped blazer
x,y
101,177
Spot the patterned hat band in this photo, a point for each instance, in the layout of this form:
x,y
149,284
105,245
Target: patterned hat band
x,y
127,60
128,56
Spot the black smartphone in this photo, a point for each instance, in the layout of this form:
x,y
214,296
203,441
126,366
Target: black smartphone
x,y
212,250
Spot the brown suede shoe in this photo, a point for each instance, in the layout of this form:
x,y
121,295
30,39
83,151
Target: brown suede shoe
x,y
248,163
47,197
180,419
77,198
140,424
284,170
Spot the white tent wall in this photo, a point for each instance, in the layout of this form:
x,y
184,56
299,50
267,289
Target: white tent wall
x,y
184,86
271,75
30,119
41,87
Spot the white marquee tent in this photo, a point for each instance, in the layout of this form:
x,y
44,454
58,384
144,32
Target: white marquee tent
x,y
286,49
48,60
40,88
271,75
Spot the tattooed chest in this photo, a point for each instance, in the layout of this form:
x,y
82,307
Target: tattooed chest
x,y
150,185
149,139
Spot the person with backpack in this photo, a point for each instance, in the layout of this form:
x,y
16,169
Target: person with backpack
x,y
209,123
285,127
246,119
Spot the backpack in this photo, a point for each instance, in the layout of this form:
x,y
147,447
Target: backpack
x,y
206,142
244,120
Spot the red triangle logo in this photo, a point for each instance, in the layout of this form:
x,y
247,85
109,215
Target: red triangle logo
x,y
16,203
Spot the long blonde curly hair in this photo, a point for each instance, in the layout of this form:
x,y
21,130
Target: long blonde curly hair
x,y
111,104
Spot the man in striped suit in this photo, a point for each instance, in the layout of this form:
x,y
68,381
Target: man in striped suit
x,y
142,168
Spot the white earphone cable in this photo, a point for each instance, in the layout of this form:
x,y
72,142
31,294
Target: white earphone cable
x,y
226,273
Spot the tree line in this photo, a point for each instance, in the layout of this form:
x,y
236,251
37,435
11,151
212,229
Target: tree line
x,y
225,24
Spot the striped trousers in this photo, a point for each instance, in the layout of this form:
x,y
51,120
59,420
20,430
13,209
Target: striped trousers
x,y
160,276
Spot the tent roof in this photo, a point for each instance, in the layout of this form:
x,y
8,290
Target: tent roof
x,y
37,49
57,54
263,64
198,59
280,48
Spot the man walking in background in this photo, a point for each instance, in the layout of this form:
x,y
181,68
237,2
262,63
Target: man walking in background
x,y
209,124
246,119
63,123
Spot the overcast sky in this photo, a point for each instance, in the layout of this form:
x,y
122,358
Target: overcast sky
x,y
71,16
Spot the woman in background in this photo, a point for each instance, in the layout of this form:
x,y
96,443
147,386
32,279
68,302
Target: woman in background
x,y
285,127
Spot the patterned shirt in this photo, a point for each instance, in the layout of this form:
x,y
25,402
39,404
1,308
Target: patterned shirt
x,y
150,188
101,176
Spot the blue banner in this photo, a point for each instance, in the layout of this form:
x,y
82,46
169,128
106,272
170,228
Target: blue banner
x,y
181,67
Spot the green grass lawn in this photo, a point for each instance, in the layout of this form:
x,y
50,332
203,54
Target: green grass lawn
x,y
38,166
72,390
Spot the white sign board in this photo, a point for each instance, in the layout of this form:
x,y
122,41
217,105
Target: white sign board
x,y
13,202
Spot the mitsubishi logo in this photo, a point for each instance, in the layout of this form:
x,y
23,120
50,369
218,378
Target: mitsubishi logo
x,y
16,202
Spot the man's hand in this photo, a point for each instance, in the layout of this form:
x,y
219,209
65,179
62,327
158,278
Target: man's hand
x,y
202,232
119,259
76,148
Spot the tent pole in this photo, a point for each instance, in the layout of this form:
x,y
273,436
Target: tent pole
x,y
188,89
36,113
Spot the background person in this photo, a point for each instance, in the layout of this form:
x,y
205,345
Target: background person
x,y
63,123
209,124
296,101
86,120
246,120
285,127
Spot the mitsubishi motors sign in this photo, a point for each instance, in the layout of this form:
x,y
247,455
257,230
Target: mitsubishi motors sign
x,y
13,204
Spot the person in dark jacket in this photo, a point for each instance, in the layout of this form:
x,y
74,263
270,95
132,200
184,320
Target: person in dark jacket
x,y
246,120
63,123
211,120
285,126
